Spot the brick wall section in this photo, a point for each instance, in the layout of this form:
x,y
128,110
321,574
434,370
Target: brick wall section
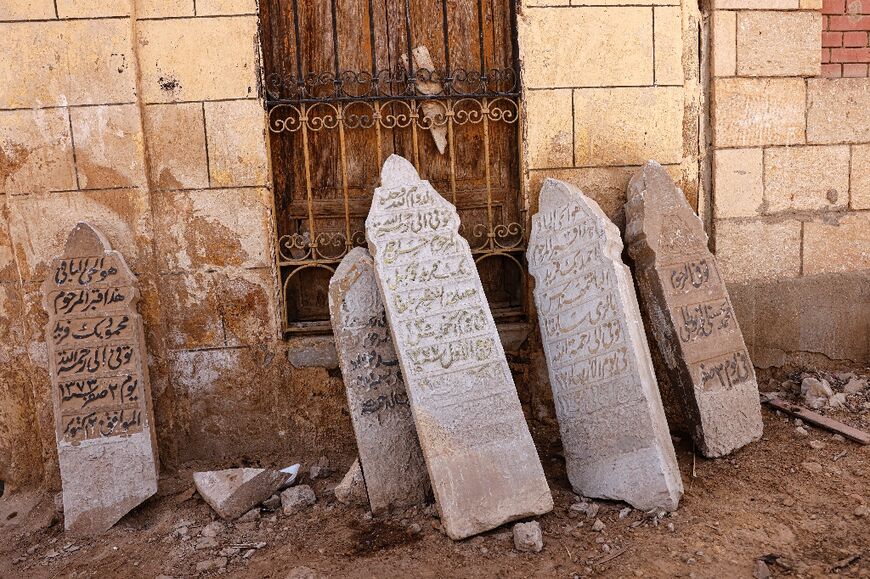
x,y
845,38
607,88
791,188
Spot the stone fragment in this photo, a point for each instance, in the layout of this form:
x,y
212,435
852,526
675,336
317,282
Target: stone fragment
x,y
211,564
272,503
213,529
104,421
816,392
598,526
389,452
481,459
598,359
691,315
297,498
250,516
320,469
235,491
528,537
352,488
854,385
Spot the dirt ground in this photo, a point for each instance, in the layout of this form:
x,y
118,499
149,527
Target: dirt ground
x,y
793,500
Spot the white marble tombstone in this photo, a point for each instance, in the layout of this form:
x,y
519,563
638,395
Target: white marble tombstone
x,y
482,462
390,456
614,432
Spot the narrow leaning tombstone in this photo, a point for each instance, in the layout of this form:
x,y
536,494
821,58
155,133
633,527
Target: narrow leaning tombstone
x,y
482,462
390,456
614,432
691,315
103,416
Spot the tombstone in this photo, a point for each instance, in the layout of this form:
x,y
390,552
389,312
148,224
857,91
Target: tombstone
x,y
390,455
482,463
104,421
691,315
614,432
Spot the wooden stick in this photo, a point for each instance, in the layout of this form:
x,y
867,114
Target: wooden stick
x,y
811,417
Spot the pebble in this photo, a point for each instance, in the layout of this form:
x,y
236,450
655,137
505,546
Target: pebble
x,y
320,470
798,422
838,438
862,511
528,537
624,512
206,543
272,503
817,444
588,509
801,431
414,529
297,498
212,529
599,525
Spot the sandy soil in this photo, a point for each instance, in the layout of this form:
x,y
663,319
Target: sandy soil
x,y
793,504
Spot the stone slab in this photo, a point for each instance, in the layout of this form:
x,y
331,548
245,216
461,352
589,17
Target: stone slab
x,y
235,491
598,359
482,462
104,421
691,314
389,452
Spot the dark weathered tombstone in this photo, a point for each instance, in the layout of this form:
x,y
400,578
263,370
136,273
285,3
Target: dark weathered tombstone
x,y
102,399
597,355
482,463
390,456
691,315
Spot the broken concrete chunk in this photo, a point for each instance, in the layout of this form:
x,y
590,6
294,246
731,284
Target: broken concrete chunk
x,y
104,422
816,393
234,492
528,537
297,498
600,367
690,314
352,488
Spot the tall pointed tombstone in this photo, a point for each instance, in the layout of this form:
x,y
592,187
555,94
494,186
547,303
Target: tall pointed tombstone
x,y
614,432
691,315
104,421
482,463
389,453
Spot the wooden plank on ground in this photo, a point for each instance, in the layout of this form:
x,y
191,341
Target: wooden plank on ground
x,y
817,419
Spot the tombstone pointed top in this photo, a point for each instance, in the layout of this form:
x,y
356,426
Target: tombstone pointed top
x,y
555,193
654,177
85,239
398,170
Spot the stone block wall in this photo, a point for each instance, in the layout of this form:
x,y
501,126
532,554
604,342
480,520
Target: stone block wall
x,y
790,176
845,38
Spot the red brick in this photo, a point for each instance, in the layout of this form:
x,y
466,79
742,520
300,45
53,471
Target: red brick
x,y
850,55
852,39
857,7
826,55
834,6
831,71
848,23
832,39
854,70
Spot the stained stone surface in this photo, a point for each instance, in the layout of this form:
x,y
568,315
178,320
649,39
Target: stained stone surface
x,y
691,315
235,491
614,432
104,422
389,453
482,463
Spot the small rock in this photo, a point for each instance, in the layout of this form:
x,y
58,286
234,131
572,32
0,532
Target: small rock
x,y
812,466
761,571
234,492
588,509
272,503
211,564
817,444
31,550
671,527
598,525
302,572
352,488
320,470
838,438
212,529
250,516
414,529
862,511
801,431
528,537
624,512
798,422
838,400
816,392
297,498
206,543
230,551
248,554
854,386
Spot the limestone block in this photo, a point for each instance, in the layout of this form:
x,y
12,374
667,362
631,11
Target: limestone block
x,y
806,178
750,112
838,110
109,146
27,10
758,249
191,59
617,47
841,245
724,43
39,225
609,129
860,182
213,228
217,7
389,452
756,4
37,70
92,8
236,143
235,491
176,145
36,152
779,43
690,314
482,462
164,8
738,182
549,125
597,355
104,419
669,45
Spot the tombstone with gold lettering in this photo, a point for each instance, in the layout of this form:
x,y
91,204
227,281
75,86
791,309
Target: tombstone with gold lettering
x,y
482,462
100,391
691,315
